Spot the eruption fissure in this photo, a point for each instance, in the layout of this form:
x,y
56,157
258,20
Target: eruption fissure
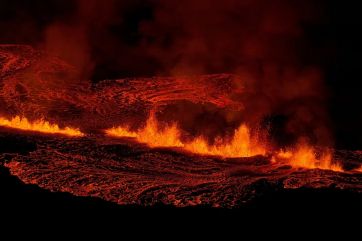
x,y
178,103
305,156
242,144
41,125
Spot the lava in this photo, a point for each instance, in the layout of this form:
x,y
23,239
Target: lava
x,y
241,144
306,156
43,126
124,173
120,171
151,134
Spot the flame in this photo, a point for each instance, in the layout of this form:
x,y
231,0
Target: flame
x,y
151,134
121,131
305,156
23,123
241,145
155,137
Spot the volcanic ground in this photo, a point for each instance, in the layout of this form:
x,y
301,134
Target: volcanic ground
x,y
121,170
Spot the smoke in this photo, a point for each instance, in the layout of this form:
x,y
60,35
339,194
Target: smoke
x,y
150,37
264,42
196,37
71,39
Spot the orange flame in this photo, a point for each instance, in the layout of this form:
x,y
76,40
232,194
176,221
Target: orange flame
x,y
305,156
241,145
121,132
151,134
22,123
154,137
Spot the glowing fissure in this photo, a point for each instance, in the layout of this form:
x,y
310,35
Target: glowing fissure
x,y
305,156
241,144
43,126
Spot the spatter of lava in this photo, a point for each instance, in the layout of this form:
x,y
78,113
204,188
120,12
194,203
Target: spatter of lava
x,y
115,148
242,144
22,123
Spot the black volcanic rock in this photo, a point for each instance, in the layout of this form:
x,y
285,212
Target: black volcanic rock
x,y
110,171
132,174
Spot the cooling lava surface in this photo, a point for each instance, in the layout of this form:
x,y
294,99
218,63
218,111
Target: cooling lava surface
x,y
121,170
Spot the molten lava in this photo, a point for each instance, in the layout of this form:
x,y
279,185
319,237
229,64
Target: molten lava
x,y
23,123
241,144
151,134
129,174
306,156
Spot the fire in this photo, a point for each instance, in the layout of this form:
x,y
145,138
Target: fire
x,y
121,131
23,123
154,136
241,144
151,134
306,156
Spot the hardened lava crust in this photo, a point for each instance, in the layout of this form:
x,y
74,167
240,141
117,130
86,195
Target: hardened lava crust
x,y
120,170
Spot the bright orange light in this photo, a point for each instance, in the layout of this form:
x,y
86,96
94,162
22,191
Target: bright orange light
x,y
22,123
305,156
120,131
241,145
154,136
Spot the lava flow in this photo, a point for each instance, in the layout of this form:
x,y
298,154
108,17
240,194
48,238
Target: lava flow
x,y
306,156
241,144
43,126
226,171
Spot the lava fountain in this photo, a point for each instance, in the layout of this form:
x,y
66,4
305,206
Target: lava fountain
x,y
242,144
22,123
306,156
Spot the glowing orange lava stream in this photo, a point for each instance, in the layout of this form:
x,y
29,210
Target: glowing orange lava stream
x,y
43,126
305,156
241,145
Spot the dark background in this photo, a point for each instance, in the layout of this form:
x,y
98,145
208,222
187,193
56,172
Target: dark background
x,y
332,41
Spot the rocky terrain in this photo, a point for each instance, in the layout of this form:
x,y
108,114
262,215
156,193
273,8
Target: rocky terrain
x,y
122,171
